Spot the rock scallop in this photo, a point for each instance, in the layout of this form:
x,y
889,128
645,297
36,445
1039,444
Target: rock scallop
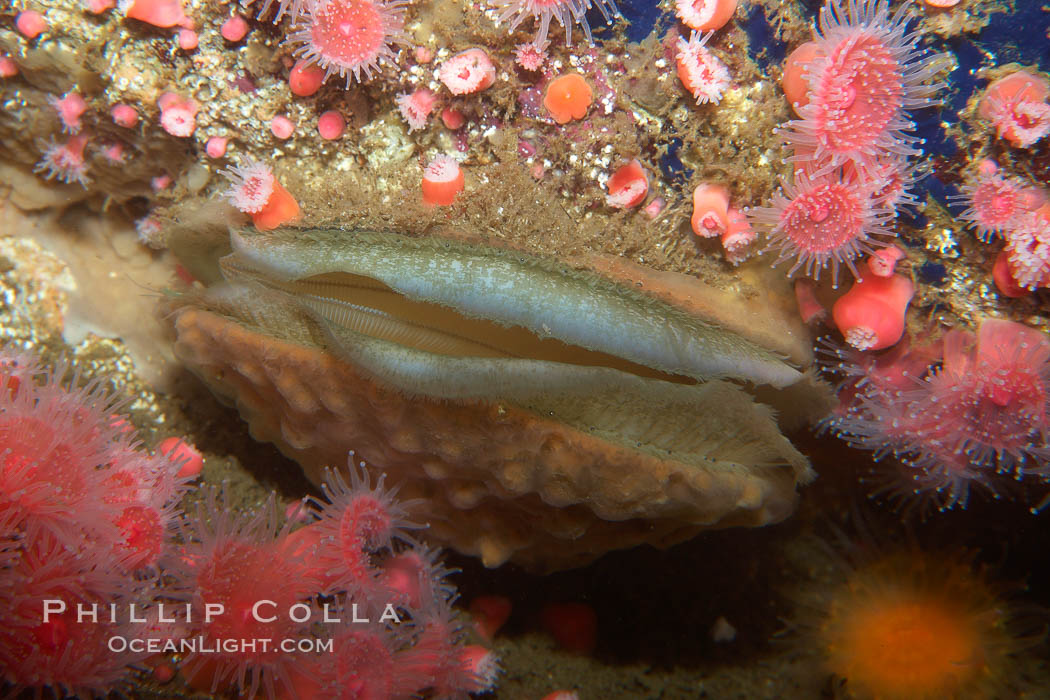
x,y
548,414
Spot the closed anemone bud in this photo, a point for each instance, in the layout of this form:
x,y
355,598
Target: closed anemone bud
x,y
97,7
710,210
737,236
30,24
452,118
113,152
871,314
282,127
628,186
987,167
124,115
305,78
653,208
216,147
573,625
1034,198
163,673
183,453
159,13
1004,279
405,574
8,67
809,307
884,260
796,80
423,54
490,612
331,125
234,29
188,39
442,181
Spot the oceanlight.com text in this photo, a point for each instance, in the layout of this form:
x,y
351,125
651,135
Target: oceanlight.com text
x,y
201,645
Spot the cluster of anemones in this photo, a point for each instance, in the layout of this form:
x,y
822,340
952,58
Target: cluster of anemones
x,y
851,88
707,78
352,577
101,570
85,518
1018,211
66,161
962,410
715,217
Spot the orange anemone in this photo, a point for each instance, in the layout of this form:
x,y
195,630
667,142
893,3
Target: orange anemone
x,y
568,97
